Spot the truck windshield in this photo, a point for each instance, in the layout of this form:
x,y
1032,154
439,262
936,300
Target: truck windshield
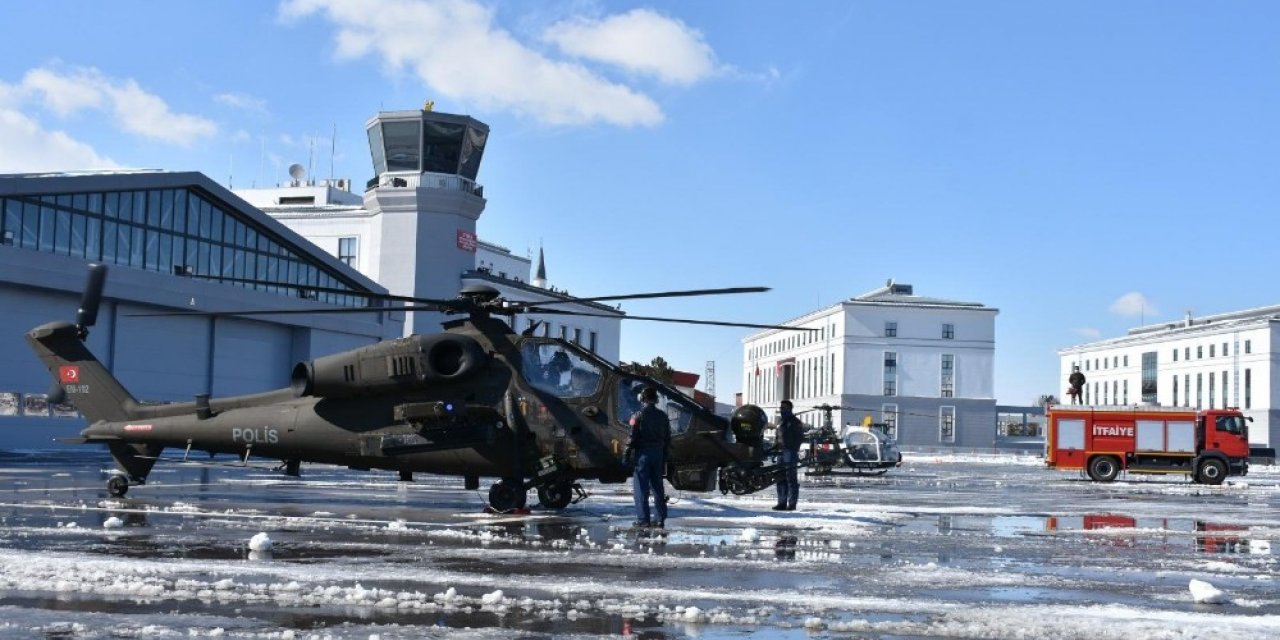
x,y
1229,424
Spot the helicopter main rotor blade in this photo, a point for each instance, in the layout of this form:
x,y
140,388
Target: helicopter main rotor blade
x,y
714,323
347,292
655,294
273,312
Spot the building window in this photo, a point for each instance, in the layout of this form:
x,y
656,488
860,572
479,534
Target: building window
x,y
594,339
1186,353
1125,387
1086,365
1199,353
948,375
347,251
564,333
1199,390
890,329
1248,346
1175,389
1186,390
890,373
1126,360
947,424
1248,388
1211,389
948,331
577,336
1225,402
1148,378
1224,350
1212,348
1175,355
889,415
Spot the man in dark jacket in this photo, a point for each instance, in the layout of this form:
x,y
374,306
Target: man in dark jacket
x,y
790,436
647,449
1076,380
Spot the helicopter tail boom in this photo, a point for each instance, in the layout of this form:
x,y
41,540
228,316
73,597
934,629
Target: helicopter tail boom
x,y
89,385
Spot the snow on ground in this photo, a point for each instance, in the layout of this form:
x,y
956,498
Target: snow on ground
x,y
965,546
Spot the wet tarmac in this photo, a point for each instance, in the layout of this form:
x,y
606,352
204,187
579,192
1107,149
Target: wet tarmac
x,y
942,547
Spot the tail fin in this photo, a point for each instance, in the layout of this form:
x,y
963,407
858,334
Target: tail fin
x,y
89,386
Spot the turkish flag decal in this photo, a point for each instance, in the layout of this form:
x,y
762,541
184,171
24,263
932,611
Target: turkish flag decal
x,y
69,374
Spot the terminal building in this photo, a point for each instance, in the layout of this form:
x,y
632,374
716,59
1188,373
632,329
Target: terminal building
x,y
1218,361
922,366
179,242
173,243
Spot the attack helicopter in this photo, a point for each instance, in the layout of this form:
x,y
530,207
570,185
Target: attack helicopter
x,y
476,400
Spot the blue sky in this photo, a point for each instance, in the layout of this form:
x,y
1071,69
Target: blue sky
x,y
1078,165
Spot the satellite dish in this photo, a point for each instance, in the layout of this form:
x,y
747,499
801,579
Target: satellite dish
x,y
297,171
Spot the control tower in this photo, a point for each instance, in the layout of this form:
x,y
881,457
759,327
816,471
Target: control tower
x,y
425,193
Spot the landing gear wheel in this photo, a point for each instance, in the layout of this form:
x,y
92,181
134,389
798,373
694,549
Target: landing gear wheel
x,y
1104,468
1212,472
117,486
506,496
556,495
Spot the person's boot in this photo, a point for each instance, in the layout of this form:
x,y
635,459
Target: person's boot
x,y
779,507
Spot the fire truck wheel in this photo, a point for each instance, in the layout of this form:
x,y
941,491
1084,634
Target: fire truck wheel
x,y
1104,468
1212,471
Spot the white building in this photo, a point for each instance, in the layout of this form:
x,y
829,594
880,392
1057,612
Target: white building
x,y
1218,361
414,228
922,365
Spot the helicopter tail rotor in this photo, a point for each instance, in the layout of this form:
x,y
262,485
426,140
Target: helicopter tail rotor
x,y
87,314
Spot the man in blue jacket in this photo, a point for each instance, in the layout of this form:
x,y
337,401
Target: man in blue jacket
x,y
647,448
790,437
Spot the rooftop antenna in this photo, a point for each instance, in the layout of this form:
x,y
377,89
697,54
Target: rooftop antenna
x,y
231,170
333,150
311,156
297,172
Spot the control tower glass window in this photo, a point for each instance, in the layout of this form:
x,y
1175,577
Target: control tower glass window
x,y
401,139
442,146
472,150
379,153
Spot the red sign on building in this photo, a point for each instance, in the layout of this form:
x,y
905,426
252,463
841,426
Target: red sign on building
x,y
467,240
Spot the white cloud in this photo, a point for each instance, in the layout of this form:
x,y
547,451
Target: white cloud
x,y
25,146
62,94
641,41
1088,332
242,101
455,48
241,136
135,110
1134,304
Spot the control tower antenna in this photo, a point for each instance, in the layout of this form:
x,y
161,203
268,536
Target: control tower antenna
x,y
711,379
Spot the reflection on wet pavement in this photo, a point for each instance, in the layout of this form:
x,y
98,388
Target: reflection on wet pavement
x,y
913,554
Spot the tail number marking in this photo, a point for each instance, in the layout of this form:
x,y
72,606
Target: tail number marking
x,y
265,435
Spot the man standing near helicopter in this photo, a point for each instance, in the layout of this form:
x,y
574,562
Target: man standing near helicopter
x,y
790,437
647,449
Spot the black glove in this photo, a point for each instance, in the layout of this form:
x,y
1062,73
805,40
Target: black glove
x,y
629,458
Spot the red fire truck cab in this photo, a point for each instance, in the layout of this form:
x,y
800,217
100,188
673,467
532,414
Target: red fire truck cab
x,y
1103,441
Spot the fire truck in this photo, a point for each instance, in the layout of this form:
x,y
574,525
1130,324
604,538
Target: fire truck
x,y
1104,441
